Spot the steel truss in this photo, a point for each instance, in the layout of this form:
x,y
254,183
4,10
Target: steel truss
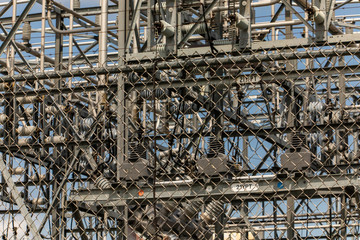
x,y
179,119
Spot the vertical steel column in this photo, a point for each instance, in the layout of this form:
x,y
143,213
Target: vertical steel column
x,y
320,26
56,220
342,141
291,121
42,43
71,23
171,18
121,136
149,28
245,34
344,213
290,218
12,49
103,48
122,16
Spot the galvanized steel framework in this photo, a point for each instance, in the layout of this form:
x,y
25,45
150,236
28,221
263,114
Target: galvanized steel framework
x,y
179,119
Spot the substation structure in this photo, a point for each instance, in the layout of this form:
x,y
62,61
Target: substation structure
x,y
179,119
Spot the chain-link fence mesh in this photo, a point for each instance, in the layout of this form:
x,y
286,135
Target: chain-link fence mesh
x,y
195,120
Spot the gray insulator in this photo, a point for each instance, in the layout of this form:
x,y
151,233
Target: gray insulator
x,y
108,134
97,19
336,117
316,107
161,49
352,156
83,161
215,147
185,108
167,207
26,36
136,151
241,22
76,4
315,138
102,183
133,77
85,124
298,140
192,208
159,94
200,30
213,210
110,170
232,34
167,29
171,206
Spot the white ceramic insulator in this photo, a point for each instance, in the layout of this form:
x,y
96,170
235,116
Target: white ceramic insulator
x,y
166,29
26,130
4,86
316,107
3,118
330,147
52,110
326,118
341,148
35,177
24,141
38,201
319,16
241,22
27,100
55,139
18,171
336,118
167,152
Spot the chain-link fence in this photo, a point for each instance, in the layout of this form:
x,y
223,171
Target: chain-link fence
x,y
209,124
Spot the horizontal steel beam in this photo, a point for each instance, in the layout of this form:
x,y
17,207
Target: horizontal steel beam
x,y
189,64
243,188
